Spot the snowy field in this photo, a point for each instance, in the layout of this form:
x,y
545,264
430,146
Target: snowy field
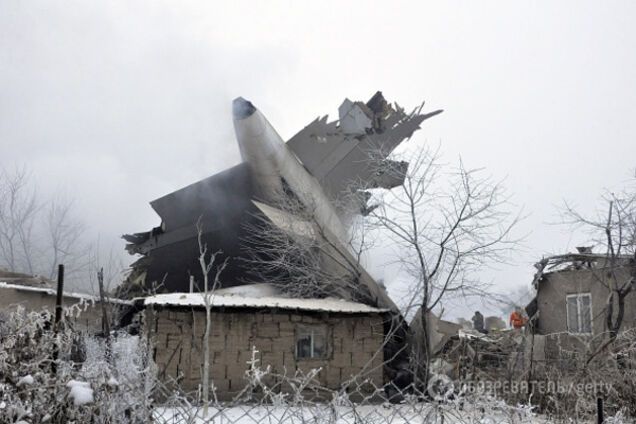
x,y
371,414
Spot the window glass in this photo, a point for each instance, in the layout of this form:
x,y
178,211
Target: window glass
x,y
311,342
579,313
320,343
573,319
303,346
585,313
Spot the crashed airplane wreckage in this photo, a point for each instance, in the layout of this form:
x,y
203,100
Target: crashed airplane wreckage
x,y
316,167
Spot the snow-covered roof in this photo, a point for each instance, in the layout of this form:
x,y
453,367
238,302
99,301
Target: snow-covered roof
x,y
252,290
251,298
52,292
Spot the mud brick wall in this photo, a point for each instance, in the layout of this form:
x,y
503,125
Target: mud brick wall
x,y
354,346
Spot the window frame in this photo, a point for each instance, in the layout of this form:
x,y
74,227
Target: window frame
x,y
311,330
579,318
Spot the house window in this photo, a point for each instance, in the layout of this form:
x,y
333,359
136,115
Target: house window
x,y
311,342
579,313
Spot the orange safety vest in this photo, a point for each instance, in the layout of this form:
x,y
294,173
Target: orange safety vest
x,y
516,320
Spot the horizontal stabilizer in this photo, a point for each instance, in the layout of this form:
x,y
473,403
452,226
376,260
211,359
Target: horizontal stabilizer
x,y
342,154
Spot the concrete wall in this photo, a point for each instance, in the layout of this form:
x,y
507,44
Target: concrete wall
x,y
551,298
354,346
89,317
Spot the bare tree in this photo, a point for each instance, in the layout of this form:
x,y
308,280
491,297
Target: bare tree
x,y
36,234
64,234
207,261
18,217
615,230
97,258
446,225
287,245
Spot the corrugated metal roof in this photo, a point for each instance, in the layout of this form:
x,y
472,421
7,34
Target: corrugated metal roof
x,y
241,301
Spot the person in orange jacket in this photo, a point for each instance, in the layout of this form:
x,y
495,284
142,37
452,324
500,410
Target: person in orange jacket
x,y
517,320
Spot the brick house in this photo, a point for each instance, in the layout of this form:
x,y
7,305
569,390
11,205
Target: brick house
x,y
342,338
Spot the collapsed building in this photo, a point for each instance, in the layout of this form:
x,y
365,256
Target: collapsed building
x,y
580,300
325,170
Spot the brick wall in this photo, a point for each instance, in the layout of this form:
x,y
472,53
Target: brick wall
x,y
354,346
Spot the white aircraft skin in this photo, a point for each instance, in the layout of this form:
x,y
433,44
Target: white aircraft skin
x,y
270,159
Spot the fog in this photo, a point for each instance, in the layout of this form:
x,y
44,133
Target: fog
x,y
118,103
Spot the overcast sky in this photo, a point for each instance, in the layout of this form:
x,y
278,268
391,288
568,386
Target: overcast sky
x,y
118,103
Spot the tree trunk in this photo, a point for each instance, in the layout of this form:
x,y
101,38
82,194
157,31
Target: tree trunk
x,y
206,359
425,349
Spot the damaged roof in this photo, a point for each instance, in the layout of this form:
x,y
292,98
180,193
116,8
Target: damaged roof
x,y
584,259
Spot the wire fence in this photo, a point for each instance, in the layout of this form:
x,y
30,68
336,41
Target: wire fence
x,y
93,380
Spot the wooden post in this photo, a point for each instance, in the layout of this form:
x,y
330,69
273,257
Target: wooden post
x,y
105,321
58,313
102,300
599,411
60,294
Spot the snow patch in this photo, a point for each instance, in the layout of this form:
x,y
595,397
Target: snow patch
x,y
81,392
251,290
27,380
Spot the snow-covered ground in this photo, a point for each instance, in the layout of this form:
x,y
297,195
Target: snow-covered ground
x,y
371,414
